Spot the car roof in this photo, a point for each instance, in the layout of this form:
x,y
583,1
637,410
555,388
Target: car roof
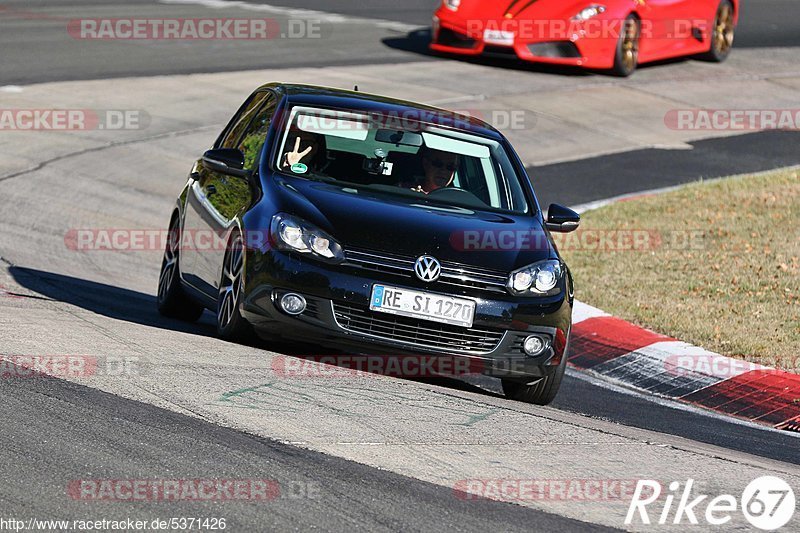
x,y
330,97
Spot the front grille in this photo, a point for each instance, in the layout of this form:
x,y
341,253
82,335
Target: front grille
x,y
448,37
557,49
312,309
501,51
453,274
416,332
517,346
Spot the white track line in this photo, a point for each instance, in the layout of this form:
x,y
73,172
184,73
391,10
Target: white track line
x,y
605,383
597,204
292,12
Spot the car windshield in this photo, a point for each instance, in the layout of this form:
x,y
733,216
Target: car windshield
x,y
401,157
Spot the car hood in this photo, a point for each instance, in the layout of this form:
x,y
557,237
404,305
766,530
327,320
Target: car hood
x,y
382,222
520,9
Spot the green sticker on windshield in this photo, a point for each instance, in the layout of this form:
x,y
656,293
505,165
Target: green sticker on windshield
x,y
299,168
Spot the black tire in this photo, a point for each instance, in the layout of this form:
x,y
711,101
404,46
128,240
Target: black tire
x,y
722,34
542,392
231,325
626,58
172,301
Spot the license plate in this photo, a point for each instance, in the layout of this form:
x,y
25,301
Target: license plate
x,y
503,38
424,305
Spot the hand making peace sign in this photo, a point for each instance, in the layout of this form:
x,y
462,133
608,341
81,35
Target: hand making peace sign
x,y
294,157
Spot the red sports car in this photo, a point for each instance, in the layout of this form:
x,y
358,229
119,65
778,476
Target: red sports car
x,y
616,35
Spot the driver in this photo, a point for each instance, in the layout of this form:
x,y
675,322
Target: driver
x,y
439,168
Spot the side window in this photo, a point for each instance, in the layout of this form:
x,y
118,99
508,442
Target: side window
x,y
256,134
238,124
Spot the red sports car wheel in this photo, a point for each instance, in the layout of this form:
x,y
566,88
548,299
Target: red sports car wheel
x,y
722,33
627,56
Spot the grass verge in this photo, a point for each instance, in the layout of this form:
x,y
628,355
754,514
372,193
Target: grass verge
x,y
714,264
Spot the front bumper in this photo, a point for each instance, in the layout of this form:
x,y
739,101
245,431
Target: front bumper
x,y
338,317
579,48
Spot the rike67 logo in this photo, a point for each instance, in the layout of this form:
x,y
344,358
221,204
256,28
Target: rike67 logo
x,y
768,503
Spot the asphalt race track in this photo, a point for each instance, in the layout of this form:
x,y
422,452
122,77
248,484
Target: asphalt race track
x,y
378,454
36,48
763,24
354,496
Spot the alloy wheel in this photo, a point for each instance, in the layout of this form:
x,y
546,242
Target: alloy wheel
x,y
169,264
630,45
723,29
230,287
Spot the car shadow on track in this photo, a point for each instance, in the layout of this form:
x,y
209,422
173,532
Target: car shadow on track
x,y
140,308
417,41
106,300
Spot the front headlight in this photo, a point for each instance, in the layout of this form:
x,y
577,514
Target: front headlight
x,y
296,235
538,279
589,12
452,5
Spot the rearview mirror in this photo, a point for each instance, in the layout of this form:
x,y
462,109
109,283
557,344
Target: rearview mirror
x,y
399,138
562,219
228,161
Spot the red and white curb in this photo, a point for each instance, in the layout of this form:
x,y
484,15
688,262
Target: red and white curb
x,y
635,357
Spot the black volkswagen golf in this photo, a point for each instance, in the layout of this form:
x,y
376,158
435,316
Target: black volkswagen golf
x,y
373,226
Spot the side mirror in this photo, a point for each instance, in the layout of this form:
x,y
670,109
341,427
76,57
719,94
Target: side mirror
x,y
228,161
562,219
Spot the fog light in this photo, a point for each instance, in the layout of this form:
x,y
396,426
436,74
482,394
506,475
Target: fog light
x,y
534,345
293,304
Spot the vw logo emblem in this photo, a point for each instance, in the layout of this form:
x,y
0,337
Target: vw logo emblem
x,y
427,268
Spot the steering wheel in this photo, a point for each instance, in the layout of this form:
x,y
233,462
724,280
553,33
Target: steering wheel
x,y
459,196
450,189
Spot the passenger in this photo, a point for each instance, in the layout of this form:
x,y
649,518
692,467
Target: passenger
x,y
309,148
